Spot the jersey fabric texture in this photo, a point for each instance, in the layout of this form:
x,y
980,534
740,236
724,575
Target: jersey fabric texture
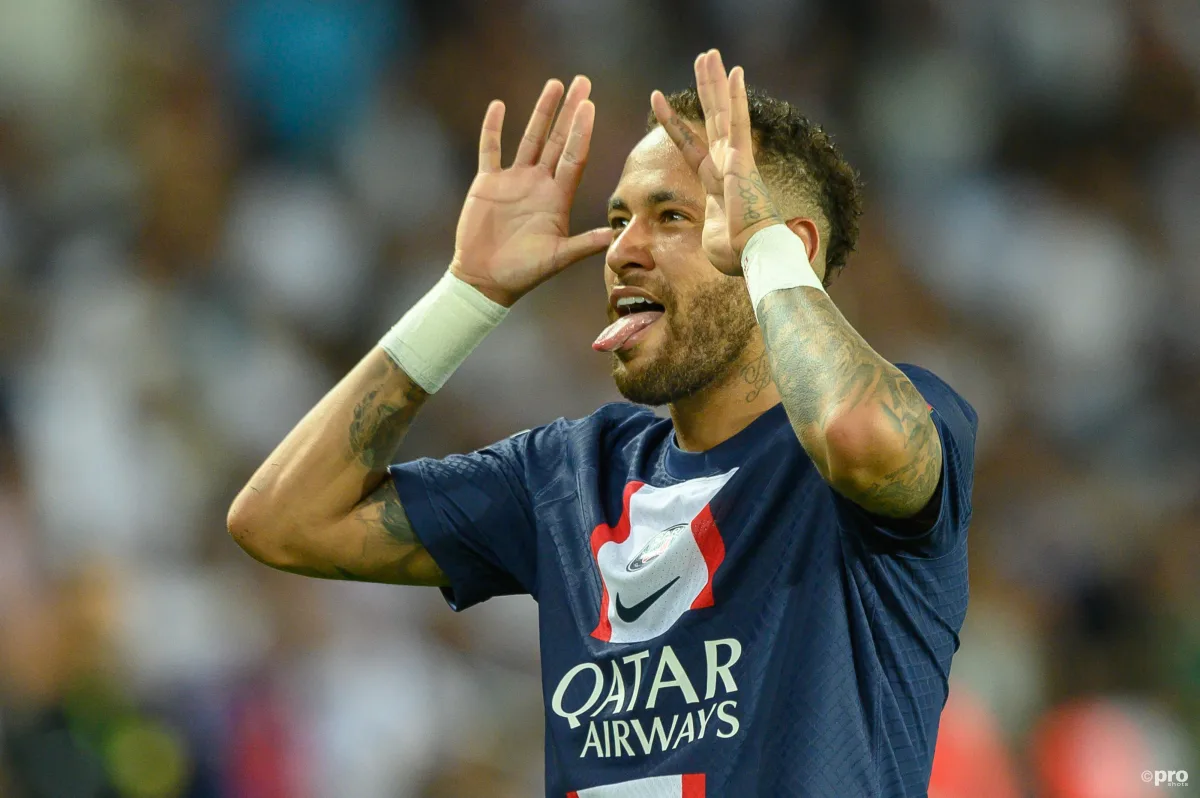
x,y
712,624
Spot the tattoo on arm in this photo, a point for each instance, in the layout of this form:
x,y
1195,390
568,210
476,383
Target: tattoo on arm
x,y
379,426
824,369
391,551
392,517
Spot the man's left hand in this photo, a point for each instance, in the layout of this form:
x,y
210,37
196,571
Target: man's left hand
x,y
738,204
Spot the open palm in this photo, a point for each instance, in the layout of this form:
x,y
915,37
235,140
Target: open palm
x,y
738,204
514,229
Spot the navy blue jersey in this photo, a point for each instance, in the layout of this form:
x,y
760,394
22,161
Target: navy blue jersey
x,y
712,624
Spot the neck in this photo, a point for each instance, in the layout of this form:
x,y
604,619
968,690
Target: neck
x,y
723,409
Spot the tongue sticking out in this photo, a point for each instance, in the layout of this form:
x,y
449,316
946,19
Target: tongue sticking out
x,y
616,334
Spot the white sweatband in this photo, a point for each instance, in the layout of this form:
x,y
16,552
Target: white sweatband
x,y
773,259
437,333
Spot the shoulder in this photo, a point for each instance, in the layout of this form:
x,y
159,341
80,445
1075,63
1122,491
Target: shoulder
x,y
620,420
609,425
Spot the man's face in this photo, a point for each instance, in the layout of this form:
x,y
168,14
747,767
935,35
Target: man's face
x,y
706,320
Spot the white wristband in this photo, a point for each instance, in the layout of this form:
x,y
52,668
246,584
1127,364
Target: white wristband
x,y
774,259
437,333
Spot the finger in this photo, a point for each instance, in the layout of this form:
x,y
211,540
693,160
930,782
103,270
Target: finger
x,y
489,137
690,145
584,245
714,206
719,87
575,155
705,90
581,87
539,124
741,137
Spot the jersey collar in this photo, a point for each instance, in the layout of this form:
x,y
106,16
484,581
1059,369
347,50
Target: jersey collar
x,y
727,454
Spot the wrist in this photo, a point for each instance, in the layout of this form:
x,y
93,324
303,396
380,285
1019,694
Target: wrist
x,y
743,239
775,259
438,333
500,297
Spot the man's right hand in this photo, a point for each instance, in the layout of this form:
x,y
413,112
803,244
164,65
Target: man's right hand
x,y
322,504
514,231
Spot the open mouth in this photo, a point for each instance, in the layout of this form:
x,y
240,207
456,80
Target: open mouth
x,y
627,306
635,314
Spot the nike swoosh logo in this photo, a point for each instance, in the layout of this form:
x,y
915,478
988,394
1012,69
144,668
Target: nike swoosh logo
x,y
631,614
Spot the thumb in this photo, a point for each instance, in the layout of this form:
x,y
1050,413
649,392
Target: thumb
x,y
578,247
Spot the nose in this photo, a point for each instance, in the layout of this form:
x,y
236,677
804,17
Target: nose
x,y
630,249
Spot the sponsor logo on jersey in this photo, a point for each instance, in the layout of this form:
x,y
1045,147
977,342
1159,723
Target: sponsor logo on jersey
x,y
651,701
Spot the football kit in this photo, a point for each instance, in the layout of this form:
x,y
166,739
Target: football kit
x,y
718,623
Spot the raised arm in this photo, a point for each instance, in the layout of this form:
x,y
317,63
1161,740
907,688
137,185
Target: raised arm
x,y
322,504
861,420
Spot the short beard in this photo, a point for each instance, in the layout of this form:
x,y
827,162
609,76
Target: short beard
x,y
701,346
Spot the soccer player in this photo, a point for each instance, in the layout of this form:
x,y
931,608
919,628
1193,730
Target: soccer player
x,y
759,596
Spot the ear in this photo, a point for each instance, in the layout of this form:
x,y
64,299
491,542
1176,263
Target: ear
x,y
807,230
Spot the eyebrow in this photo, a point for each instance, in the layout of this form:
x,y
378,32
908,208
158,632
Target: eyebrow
x,y
661,197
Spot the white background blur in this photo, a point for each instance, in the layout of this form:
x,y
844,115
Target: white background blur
x,y
210,210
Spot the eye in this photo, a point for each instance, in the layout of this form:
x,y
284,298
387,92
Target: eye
x,y
617,222
673,216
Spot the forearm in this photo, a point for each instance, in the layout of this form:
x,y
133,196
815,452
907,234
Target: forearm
x,y
335,456
863,422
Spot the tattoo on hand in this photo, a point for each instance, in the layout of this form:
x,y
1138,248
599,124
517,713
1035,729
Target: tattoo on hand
x,y
824,369
757,375
683,130
756,199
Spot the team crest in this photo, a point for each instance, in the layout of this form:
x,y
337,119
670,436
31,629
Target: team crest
x,y
658,561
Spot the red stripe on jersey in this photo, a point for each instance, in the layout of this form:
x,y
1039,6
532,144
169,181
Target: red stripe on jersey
x,y
693,785
712,548
572,794
611,534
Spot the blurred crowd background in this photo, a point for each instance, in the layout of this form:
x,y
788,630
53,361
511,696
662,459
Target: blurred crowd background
x,y
210,210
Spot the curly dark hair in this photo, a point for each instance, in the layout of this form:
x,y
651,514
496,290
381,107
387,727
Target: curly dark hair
x,y
800,165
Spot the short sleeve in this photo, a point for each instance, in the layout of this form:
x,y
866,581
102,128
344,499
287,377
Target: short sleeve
x,y
957,424
474,513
